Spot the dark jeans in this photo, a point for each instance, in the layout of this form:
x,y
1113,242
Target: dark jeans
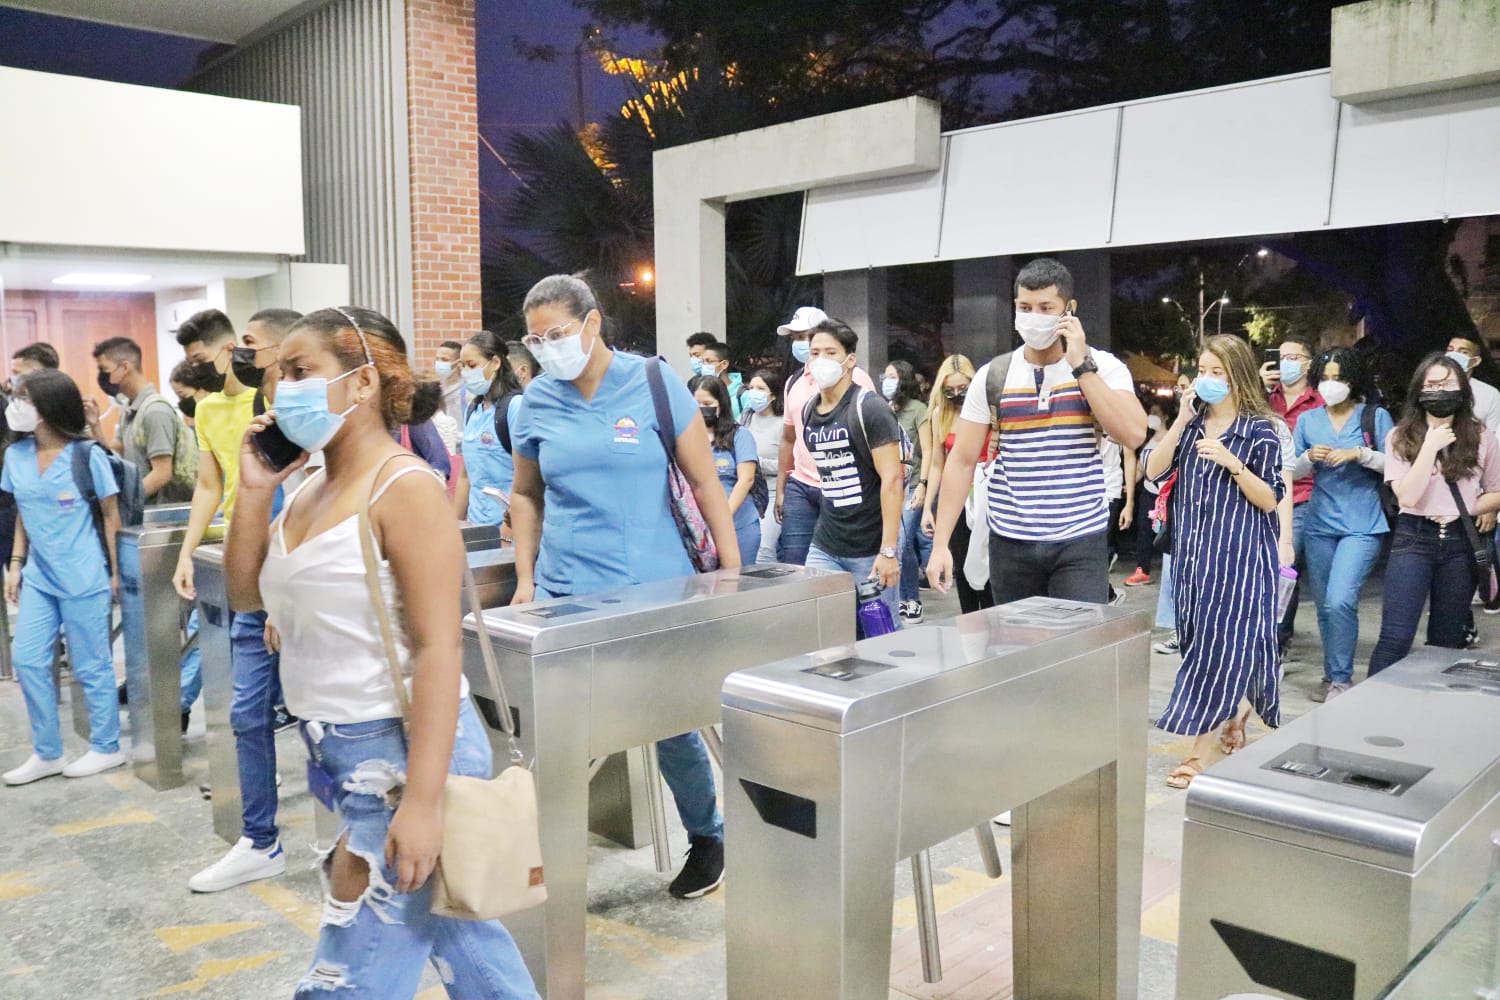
x,y
1074,570
1143,535
1427,564
1119,541
799,516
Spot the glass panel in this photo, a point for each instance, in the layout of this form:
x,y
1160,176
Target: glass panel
x,y
1462,961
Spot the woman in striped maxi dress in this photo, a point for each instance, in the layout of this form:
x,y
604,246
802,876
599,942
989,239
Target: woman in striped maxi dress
x,y
1224,555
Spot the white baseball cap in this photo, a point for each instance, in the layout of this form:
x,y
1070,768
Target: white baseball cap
x,y
804,319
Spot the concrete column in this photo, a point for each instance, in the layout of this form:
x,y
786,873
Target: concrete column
x,y
859,299
690,289
983,320
1091,287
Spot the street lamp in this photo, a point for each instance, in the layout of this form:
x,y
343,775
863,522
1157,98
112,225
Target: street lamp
x,y
1218,303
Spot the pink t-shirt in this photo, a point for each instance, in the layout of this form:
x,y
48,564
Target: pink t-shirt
x,y
1437,499
798,392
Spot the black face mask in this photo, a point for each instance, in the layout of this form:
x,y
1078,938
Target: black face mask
x,y
209,376
188,405
710,414
1440,402
242,363
109,388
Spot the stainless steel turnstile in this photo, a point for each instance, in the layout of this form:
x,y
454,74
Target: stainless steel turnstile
x,y
152,618
594,675
494,573
1317,861
841,764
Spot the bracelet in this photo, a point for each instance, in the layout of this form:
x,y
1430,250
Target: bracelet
x,y
17,558
1236,475
921,482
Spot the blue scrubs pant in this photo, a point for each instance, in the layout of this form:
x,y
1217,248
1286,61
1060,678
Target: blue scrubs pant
x,y
85,623
192,666
1336,570
257,689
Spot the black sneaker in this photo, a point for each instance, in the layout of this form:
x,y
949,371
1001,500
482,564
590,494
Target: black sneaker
x,y
703,872
281,719
185,717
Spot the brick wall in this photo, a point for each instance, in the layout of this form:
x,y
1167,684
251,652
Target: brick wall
x,y
441,117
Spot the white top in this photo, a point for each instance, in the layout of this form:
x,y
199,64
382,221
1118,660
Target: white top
x,y
1112,456
333,663
1048,481
1486,404
767,429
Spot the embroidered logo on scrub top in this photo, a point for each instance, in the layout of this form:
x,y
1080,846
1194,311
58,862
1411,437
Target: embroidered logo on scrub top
x,y
626,431
487,438
723,464
66,500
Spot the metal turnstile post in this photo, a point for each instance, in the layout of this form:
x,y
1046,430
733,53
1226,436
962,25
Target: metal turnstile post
x,y
927,931
989,851
214,619
7,670
657,809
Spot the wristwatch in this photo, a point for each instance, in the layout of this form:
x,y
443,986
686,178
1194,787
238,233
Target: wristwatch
x,y
889,551
1089,365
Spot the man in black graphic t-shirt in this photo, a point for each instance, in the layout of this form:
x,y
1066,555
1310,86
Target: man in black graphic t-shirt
x,y
855,442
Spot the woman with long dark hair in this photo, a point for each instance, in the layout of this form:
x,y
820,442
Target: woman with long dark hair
x,y
937,433
68,579
1225,541
1344,525
735,460
1437,448
762,417
482,493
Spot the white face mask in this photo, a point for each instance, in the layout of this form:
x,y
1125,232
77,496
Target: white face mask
x,y
21,415
1333,393
826,372
1038,330
1153,422
563,358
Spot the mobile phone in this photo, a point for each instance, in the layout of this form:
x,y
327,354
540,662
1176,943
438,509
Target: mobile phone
x,y
1272,356
277,450
1199,405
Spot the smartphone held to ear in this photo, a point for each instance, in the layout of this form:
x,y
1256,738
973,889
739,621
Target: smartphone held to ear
x,y
275,448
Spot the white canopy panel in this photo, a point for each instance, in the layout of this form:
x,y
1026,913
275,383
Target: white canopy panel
x,y
1265,157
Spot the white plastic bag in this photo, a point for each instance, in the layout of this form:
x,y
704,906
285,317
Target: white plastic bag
x,y
976,567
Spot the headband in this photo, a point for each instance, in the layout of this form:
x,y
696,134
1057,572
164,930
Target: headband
x,y
369,359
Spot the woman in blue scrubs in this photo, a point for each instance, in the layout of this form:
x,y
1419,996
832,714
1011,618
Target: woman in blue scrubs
x,y
735,460
485,369
589,505
66,586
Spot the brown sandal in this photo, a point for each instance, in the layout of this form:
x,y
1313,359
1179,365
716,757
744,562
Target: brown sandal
x,y
1183,776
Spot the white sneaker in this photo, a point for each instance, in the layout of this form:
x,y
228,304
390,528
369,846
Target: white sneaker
x,y
34,769
242,864
93,762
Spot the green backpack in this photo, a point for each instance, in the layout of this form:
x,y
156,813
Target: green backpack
x,y
184,451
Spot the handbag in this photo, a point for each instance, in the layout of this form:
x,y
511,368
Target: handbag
x,y
691,526
491,860
1483,560
1162,515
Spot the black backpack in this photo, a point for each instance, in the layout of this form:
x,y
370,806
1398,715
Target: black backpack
x,y
502,418
1388,502
131,498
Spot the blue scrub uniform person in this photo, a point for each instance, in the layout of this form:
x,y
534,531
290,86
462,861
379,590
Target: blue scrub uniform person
x,y
65,586
747,518
486,461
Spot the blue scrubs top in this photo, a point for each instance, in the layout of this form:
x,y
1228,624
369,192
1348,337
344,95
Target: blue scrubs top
x,y
1345,498
727,465
66,557
606,521
487,462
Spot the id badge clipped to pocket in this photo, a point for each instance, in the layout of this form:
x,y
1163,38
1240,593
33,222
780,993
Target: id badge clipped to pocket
x,y
321,785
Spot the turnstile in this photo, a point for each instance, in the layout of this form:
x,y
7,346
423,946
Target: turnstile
x,y
152,620
594,675
840,764
1318,860
494,574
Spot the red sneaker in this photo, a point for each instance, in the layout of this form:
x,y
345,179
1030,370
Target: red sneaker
x,y
1138,579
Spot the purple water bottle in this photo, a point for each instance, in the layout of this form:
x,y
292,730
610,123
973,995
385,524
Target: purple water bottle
x,y
1286,584
872,617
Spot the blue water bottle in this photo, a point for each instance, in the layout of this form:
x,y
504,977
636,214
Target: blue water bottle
x,y
872,617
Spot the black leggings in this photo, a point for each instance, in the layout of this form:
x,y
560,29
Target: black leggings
x,y
970,599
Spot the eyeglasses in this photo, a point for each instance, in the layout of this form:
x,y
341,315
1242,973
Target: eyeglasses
x,y
551,336
953,393
1447,383
1295,357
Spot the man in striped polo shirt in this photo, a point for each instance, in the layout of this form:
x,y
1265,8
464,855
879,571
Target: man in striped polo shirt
x,y
1048,521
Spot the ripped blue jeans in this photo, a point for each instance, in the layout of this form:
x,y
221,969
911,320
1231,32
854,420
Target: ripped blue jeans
x,y
375,946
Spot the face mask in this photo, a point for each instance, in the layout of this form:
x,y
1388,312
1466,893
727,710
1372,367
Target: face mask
x,y
188,405
106,386
888,387
1153,423
209,377
710,414
1463,360
302,411
21,416
1210,389
826,372
1437,402
476,381
444,370
1038,330
695,365
1333,393
564,358
1291,372
757,400
802,350
242,363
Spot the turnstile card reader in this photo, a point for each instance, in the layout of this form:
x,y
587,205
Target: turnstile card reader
x,y
840,764
1318,860
593,675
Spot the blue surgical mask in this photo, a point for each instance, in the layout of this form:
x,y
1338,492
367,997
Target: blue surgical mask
x,y
476,381
443,369
1211,389
696,365
757,400
802,350
1461,359
888,387
302,411
1291,372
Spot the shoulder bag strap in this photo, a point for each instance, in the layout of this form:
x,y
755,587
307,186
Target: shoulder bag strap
x,y
664,425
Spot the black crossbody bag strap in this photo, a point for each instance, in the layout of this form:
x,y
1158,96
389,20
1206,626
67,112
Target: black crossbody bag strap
x,y
1482,560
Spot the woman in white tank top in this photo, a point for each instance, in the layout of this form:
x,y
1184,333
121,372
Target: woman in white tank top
x,y
345,383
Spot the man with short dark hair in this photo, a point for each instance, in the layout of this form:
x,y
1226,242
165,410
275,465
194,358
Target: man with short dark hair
x,y
455,400
151,434
715,361
697,342
33,357
1468,353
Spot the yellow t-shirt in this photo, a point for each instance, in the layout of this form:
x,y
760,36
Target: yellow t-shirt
x,y
221,421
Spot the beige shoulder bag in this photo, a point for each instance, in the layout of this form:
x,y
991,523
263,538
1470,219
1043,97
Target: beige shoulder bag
x,y
491,861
